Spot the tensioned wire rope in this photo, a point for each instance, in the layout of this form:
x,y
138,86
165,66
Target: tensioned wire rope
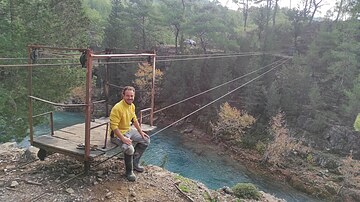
x,y
228,93
218,86
208,54
128,62
158,56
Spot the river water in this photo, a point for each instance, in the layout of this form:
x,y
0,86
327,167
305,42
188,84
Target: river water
x,y
191,160
204,164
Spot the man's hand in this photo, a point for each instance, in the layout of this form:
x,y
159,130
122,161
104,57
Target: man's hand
x,y
126,140
144,135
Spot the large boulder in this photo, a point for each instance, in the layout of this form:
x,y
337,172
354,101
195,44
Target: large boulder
x,y
10,150
341,140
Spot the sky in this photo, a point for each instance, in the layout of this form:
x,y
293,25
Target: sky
x,y
327,4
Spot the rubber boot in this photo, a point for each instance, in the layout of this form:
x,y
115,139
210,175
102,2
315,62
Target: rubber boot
x,y
139,150
129,167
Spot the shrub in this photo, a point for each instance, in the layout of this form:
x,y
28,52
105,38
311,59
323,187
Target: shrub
x,y
310,158
143,82
232,123
260,147
186,185
283,144
357,123
246,191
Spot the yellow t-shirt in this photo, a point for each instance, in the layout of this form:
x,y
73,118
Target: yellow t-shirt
x,y
121,116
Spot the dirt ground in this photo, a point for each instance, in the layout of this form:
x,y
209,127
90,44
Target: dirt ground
x,y
60,178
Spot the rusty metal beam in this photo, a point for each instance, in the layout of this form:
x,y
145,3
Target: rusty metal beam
x,y
105,56
153,91
64,105
89,64
31,135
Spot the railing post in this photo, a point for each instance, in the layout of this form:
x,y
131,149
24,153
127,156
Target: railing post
x,y
107,88
153,91
52,123
31,135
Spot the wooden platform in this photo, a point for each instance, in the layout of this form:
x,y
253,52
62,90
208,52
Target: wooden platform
x,y
67,140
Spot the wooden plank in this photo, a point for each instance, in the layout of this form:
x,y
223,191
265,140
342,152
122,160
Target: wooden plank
x,y
147,128
67,139
58,145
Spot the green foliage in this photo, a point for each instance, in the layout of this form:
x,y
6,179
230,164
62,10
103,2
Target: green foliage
x,y
54,23
295,84
186,185
184,188
133,25
98,12
117,34
352,107
310,158
357,123
246,191
260,147
273,99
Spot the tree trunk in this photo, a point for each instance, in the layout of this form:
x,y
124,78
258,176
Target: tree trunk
x,y
177,30
306,10
143,33
339,11
275,11
268,10
316,7
203,45
245,10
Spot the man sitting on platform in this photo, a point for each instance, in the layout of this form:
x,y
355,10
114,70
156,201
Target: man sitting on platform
x,y
133,141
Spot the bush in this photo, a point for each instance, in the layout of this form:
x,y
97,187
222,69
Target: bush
x,y
357,123
246,191
260,147
283,144
232,123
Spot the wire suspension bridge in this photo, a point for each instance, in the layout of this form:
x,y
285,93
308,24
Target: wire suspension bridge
x,y
272,67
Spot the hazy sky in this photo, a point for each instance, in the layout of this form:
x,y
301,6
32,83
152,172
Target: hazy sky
x,y
327,4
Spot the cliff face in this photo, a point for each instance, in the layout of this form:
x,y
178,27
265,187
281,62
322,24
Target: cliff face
x,y
342,140
58,178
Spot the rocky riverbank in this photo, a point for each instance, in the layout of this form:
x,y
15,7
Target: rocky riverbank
x,y
60,178
324,176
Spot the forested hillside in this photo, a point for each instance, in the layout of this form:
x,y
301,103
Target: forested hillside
x,y
317,92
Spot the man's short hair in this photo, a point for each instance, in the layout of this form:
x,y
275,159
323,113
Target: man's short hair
x,y
128,88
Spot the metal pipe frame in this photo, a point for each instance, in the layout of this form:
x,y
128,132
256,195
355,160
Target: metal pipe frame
x,y
88,103
105,56
31,135
64,105
141,114
153,91
89,64
51,120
